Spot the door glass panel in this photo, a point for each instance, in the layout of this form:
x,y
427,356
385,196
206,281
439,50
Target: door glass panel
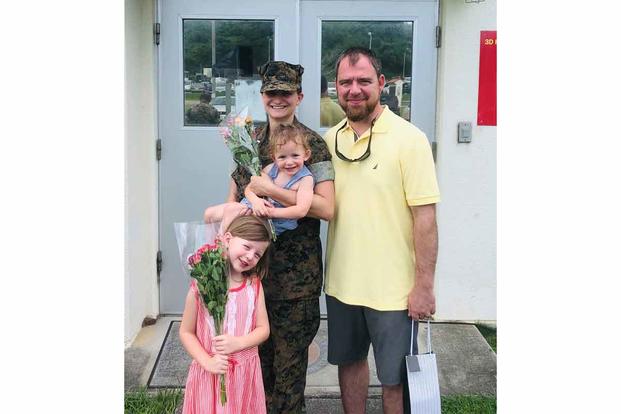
x,y
221,57
392,43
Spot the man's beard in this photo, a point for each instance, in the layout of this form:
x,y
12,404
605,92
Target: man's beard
x,y
358,113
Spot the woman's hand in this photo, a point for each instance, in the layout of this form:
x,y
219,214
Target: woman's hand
x,y
273,212
217,364
260,207
261,186
227,344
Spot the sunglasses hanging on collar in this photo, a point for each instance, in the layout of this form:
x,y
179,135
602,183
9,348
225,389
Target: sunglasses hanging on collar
x,y
364,156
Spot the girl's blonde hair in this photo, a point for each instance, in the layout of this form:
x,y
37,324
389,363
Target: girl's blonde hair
x,y
287,133
253,228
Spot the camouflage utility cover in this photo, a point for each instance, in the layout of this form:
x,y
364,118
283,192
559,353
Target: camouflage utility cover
x,y
296,269
281,76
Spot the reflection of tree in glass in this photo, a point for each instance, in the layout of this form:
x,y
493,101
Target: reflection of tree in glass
x,y
196,45
229,35
390,40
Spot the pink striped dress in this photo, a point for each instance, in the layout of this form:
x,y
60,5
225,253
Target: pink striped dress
x,y
244,382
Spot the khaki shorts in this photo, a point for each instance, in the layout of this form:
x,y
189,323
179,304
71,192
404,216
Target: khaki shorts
x,y
352,328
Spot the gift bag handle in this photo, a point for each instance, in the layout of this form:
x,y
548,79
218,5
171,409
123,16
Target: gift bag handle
x,y
429,350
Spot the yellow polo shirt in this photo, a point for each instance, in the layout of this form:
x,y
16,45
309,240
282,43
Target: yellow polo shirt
x,y
370,251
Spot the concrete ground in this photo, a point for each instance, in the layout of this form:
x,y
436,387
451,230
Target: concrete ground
x,y
466,364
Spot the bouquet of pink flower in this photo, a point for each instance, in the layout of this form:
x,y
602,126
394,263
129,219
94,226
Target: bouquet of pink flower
x,y
239,136
209,266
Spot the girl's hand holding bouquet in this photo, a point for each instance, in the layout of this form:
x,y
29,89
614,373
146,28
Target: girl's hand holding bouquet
x,y
227,344
217,364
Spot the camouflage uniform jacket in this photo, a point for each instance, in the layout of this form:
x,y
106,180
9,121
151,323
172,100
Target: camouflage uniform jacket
x,y
296,269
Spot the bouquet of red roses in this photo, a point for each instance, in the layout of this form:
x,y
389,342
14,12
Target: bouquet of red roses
x,y
209,266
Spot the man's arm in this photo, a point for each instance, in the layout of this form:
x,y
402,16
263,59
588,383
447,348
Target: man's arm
x,y
421,299
322,205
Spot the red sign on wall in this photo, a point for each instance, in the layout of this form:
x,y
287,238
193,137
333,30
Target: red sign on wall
x,y
487,79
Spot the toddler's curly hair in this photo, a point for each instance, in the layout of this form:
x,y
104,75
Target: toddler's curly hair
x,y
287,133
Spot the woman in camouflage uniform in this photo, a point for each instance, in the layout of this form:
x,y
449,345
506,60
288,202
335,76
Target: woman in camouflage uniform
x,y
293,285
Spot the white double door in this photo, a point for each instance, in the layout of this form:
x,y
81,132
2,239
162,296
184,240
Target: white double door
x,y
214,47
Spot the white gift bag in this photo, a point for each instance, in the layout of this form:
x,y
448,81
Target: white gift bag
x,y
423,382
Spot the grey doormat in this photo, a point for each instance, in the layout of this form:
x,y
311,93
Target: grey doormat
x,y
173,362
466,363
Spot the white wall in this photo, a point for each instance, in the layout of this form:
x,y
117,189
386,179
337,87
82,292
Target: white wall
x,y
466,271
141,295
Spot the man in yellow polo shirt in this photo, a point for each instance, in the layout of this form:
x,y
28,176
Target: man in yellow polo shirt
x,y
382,241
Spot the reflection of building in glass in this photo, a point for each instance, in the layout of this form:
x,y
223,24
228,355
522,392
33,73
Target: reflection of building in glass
x,y
392,95
396,94
235,64
220,103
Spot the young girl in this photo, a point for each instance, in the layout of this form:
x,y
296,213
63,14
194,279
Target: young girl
x,y
245,326
289,150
